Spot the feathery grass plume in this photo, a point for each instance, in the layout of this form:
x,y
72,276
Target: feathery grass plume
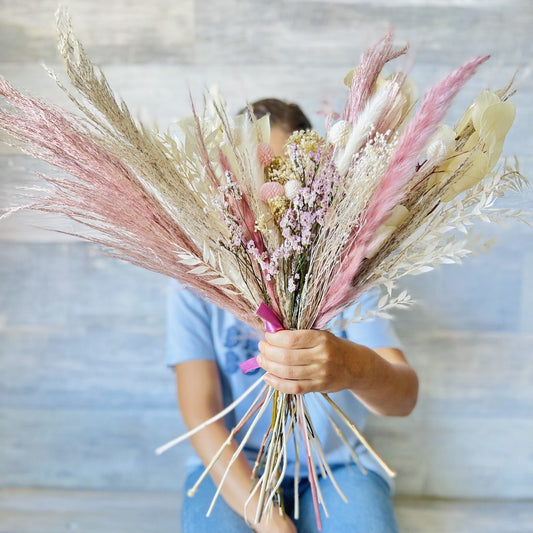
x,y
391,189
375,108
129,140
107,197
365,75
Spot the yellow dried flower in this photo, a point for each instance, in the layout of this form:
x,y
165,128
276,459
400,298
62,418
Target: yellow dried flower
x,y
307,140
279,170
479,141
279,206
261,225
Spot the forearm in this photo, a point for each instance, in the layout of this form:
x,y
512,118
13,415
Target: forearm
x,y
302,361
238,482
386,388
200,398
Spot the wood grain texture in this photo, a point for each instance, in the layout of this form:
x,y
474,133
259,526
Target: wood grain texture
x,y
118,31
54,511
84,394
92,448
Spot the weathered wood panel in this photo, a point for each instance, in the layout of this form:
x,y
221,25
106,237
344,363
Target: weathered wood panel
x,y
92,448
85,396
53,511
122,31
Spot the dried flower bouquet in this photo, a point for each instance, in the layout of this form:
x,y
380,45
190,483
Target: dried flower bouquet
x,y
280,242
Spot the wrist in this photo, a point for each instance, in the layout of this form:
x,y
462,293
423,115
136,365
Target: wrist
x,y
365,368
357,364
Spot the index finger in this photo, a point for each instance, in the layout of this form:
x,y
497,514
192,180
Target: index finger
x,y
293,338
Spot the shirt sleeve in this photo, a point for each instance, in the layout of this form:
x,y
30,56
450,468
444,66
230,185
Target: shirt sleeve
x,y
377,332
188,332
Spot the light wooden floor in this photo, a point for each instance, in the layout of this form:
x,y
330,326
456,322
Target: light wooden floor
x,y
54,511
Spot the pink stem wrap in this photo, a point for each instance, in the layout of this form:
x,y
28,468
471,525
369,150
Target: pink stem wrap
x,y
272,324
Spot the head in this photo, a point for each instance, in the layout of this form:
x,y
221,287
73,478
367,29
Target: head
x,y
285,118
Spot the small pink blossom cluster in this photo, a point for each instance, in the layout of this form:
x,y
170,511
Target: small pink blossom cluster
x,y
308,208
229,193
317,175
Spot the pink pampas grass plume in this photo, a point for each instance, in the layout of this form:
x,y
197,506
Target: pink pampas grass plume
x,y
105,195
391,189
367,72
436,102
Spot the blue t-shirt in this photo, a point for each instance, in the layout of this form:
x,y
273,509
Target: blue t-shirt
x,y
197,329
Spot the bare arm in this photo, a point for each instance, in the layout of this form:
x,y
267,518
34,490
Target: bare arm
x,y
302,361
386,383
200,398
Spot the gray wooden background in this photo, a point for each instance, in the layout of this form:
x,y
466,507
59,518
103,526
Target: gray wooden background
x,y
84,393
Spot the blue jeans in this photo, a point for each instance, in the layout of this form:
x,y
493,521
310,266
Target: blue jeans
x,y
369,508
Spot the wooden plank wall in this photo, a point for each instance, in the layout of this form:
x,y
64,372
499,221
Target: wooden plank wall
x,y
84,393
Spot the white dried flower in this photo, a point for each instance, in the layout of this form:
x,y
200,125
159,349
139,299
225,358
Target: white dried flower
x,y
291,188
339,133
440,144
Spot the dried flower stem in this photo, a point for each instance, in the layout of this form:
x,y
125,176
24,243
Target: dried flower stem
x,y
360,436
218,416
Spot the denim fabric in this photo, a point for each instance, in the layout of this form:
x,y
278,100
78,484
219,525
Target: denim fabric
x,y
369,508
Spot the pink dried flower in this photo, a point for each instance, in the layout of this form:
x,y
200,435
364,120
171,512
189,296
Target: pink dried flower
x,y
265,154
271,189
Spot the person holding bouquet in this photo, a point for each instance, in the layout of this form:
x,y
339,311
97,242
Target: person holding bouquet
x,y
271,221
362,365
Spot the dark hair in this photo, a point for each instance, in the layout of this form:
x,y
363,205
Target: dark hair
x,y
285,115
